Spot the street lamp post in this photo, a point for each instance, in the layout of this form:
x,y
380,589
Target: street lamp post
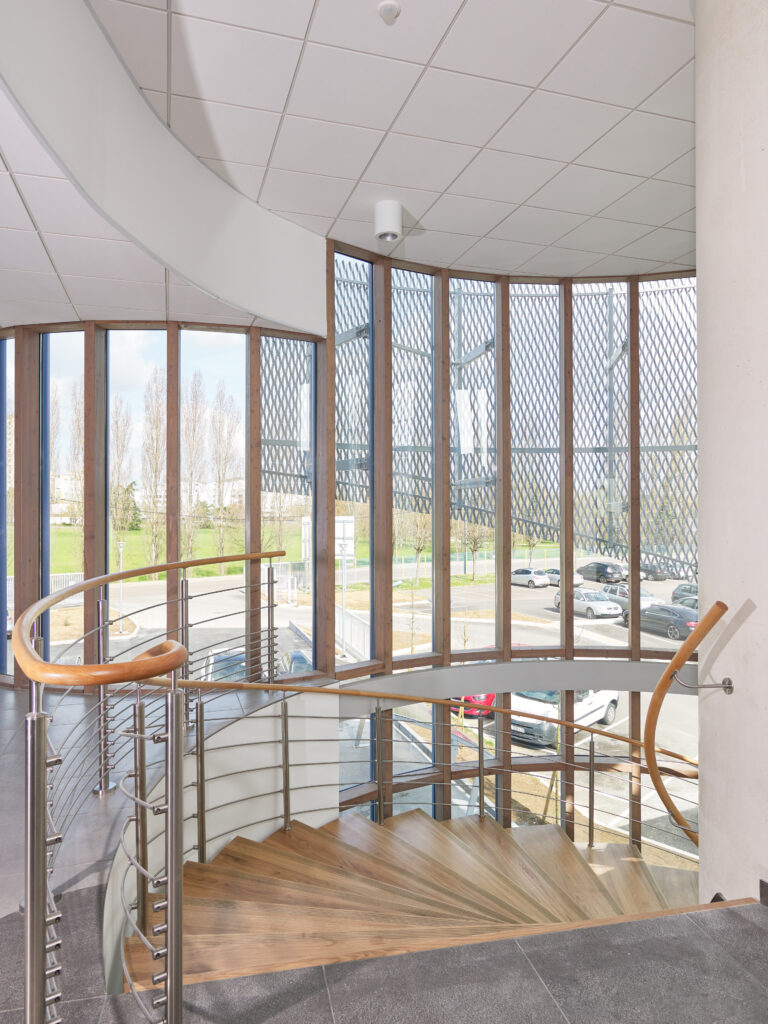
x,y
120,546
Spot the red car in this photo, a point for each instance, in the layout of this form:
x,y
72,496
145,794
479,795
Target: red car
x,y
487,700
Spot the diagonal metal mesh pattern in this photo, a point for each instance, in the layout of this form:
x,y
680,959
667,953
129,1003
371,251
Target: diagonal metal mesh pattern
x,y
287,370
668,440
353,379
472,306
600,419
412,345
535,409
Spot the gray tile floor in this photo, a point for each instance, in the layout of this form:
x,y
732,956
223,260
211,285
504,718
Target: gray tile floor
x,y
707,967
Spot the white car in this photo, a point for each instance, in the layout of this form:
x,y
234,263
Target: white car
x,y
529,578
619,592
594,604
554,577
590,706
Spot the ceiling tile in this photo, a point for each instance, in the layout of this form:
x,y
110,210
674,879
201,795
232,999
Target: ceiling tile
x,y
620,266
220,131
527,224
584,189
20,148
599,234
682,171
352,88
338,150
304,193
12,211
558,262
662,244
418,163
432,247
320,225
35,312
232,65
360,204
681,9
653,202
159,5
356,232
357,26
111,311
22,286
187,303
458,108
624,57
687,222
504,177
503,255
93,291
557,127
23,250
58,207
158,101
641,144
139,36
676,97
100,257
494,40
244,177
464,216
675,268
290,19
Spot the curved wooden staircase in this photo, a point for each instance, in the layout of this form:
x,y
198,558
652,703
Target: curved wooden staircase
x,y
354,889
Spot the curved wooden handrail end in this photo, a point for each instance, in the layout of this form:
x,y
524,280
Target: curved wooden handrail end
x,y
689,645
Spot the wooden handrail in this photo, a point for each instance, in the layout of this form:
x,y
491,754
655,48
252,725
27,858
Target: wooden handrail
x,y
688,646
156,662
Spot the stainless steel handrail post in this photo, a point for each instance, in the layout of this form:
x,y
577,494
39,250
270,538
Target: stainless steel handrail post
x,y
35,881
480,768
174,851
102,640
202,841
379,742
271,624
286,766
184,640
591,841
142,841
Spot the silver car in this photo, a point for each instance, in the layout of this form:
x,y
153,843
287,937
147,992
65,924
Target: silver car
x,y
594,604
619,592
554,577
529,578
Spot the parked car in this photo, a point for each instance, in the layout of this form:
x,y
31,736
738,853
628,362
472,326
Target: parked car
x,y
529,578
601,572
592,603
486,700
684,590
554,577
672,620
590,706
224,663
653,572
619,592
295,663
688,602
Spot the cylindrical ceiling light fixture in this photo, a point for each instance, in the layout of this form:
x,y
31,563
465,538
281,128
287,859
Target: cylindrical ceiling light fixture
x,y
388,220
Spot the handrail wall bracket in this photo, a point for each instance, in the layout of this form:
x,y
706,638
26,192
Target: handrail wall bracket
x,y
726,685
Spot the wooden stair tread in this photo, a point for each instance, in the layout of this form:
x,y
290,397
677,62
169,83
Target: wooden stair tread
x,y
625,875
679,886
431,882
497,846
246,856
425,833
548,845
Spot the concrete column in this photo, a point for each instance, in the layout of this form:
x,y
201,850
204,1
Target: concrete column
x,y
732,267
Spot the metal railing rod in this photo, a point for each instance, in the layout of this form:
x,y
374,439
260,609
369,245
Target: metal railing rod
x,y
200,781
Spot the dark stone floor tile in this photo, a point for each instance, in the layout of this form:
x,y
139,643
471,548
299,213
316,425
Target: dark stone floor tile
x,y
742,932
645,972
287,997
489,983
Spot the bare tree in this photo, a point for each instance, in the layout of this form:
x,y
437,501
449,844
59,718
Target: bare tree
x,y
478,536
121,504
76,454
153,464
225,424
194,459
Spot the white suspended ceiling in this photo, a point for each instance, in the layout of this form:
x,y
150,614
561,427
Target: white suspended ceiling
x,y
528,137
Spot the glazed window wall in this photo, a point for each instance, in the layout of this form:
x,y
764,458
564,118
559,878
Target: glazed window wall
x,y
412,462
7,419
354,470
473,464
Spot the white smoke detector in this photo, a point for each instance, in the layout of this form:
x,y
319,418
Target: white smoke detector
x,y
389,11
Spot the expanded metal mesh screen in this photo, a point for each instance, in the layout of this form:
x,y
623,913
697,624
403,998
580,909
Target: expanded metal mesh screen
x,y
353,379
286,416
